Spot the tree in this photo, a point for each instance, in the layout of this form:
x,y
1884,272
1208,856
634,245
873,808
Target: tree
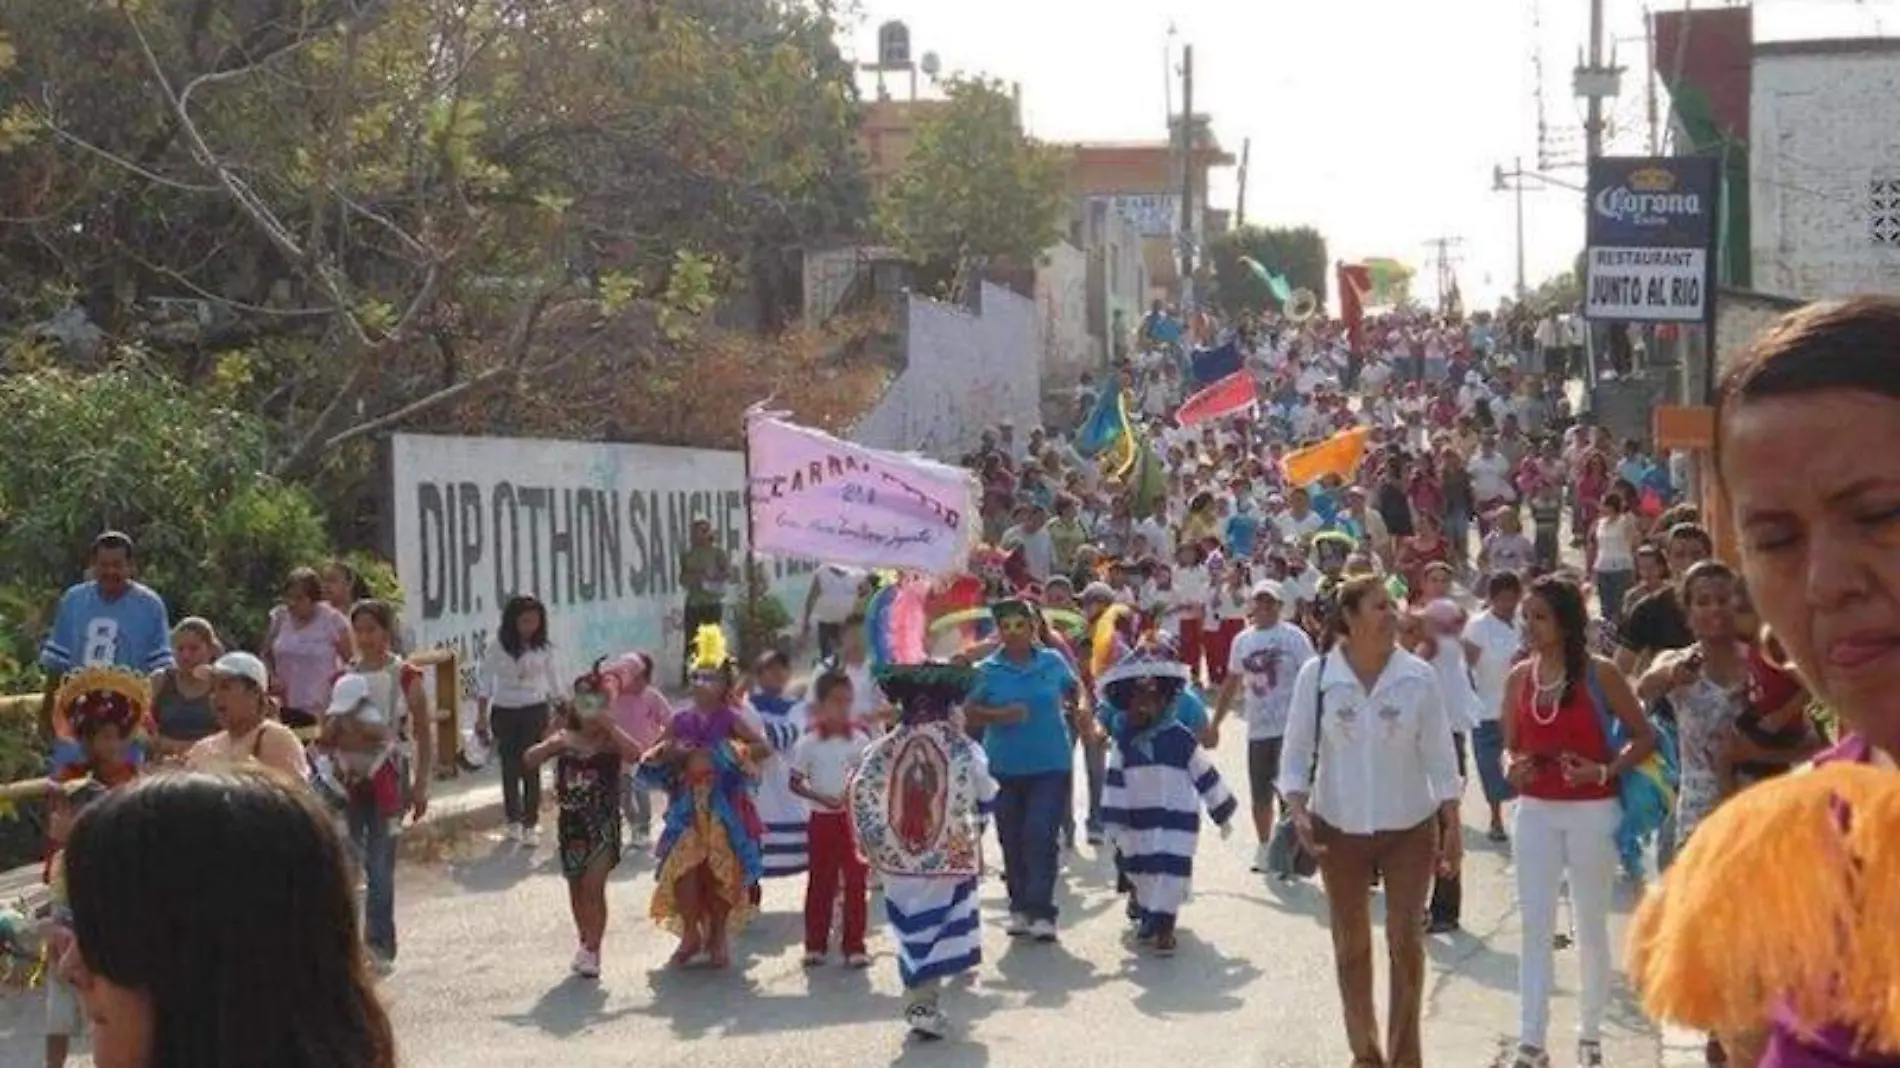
x,y
974,188
357,212
1391,282
1297,253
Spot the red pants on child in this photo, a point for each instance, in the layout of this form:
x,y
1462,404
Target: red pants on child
x,y
1192,637
834,858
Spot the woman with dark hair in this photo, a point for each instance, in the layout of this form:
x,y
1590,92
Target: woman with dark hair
x,y
514,687
307,645
1797,969
1560,708
1371,785
1611,554
203,963
394,688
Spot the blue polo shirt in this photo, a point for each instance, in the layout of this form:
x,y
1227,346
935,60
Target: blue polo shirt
x,y
1040,744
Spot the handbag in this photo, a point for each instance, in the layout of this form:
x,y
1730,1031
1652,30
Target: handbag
x,y
1286,857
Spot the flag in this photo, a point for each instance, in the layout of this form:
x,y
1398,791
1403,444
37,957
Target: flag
x,y
1276,283
1148,487
1209,365
1337,455
1107,434
1225,397
1355,287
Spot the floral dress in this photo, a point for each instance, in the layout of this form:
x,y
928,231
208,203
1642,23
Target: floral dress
x,y
588,791
1705,711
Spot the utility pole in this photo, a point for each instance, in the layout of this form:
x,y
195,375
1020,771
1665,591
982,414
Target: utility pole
x,y
1240,199
1649,84
1187,174
1593,120
1444,264
1515,176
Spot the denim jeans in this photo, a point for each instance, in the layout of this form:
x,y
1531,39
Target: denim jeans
x,y
1094,766
373,838
1612,587
636,804
1028,816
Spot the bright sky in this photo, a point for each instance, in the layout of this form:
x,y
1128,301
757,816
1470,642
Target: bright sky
x,y
1377,121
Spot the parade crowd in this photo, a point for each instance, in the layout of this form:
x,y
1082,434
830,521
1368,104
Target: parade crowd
x,y
1400,562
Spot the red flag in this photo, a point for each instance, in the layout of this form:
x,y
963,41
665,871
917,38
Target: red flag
x,y
1355,284
1225,397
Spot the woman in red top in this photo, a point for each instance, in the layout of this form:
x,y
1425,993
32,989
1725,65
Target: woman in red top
x,y
1560,761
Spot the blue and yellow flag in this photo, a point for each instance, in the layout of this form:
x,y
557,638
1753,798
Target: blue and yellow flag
x,y
1108,436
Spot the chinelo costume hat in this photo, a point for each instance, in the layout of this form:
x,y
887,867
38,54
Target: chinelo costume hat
x,y
1149,666
925,692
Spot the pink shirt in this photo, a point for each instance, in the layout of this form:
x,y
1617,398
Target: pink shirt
x,y
305,657
642,715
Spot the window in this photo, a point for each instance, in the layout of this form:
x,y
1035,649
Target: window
x,y
1883,211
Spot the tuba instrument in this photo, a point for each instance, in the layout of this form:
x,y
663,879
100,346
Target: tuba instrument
x,y
1301,306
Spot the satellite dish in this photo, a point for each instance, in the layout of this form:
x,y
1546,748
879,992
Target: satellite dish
x,y
931,64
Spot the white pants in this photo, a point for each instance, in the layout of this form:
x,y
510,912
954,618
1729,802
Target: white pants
x,y
1552,840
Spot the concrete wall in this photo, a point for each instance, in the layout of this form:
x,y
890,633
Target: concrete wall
x,y
965,370
1068,346
1825,169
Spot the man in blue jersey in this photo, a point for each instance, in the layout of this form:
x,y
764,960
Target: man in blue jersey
x,y
108,620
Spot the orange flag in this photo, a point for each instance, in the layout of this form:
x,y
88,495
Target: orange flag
x,y
1337,455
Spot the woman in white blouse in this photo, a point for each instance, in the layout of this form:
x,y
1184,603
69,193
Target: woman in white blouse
x,y
513,690
1371,782
1613,543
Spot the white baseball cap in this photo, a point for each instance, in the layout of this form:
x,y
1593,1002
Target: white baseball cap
x,y
1270,588
350,697
242,666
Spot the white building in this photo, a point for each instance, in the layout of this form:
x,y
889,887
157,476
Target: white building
x,y
1824,169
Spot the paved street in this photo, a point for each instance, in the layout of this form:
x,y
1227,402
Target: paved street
x,y
486,941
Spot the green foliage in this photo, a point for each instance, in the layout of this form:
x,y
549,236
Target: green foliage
x,y
133,449
974,187
1298,253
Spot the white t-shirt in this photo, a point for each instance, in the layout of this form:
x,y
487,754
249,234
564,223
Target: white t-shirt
x,y
1616,543
1192,589
837,593
827,763
1160,542
1498,643
1297,531
1490,477
1454,683
1267,661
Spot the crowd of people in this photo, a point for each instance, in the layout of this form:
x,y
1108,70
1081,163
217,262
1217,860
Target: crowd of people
x,y
1482,582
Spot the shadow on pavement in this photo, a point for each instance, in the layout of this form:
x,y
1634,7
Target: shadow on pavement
x,y
568,1008
1198,979
1049,973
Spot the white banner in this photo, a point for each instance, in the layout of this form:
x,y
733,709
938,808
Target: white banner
x,y
817,497
594,529
1647,284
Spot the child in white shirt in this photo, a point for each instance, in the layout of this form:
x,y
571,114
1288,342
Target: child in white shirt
x,y
822,763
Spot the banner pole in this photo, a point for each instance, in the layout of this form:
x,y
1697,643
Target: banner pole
x,y
752,592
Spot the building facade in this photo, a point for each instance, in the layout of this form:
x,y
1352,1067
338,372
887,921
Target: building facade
x,y
1825,168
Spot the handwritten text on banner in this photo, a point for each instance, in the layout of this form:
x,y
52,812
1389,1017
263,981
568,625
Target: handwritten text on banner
x,y
818,497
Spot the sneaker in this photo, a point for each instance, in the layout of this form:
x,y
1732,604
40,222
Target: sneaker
x,y
1590,1054
1017,926
925,1022
858,960
512,833
587,964
1441,926
1164,944
530,836
1145,934
1262,859
1043,930
380,965
1530,1057
1496,834
812,958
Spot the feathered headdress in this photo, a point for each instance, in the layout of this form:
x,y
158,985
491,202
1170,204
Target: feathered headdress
x,y
1107,639
897,622
92,698
1817,853
709,651
925,692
